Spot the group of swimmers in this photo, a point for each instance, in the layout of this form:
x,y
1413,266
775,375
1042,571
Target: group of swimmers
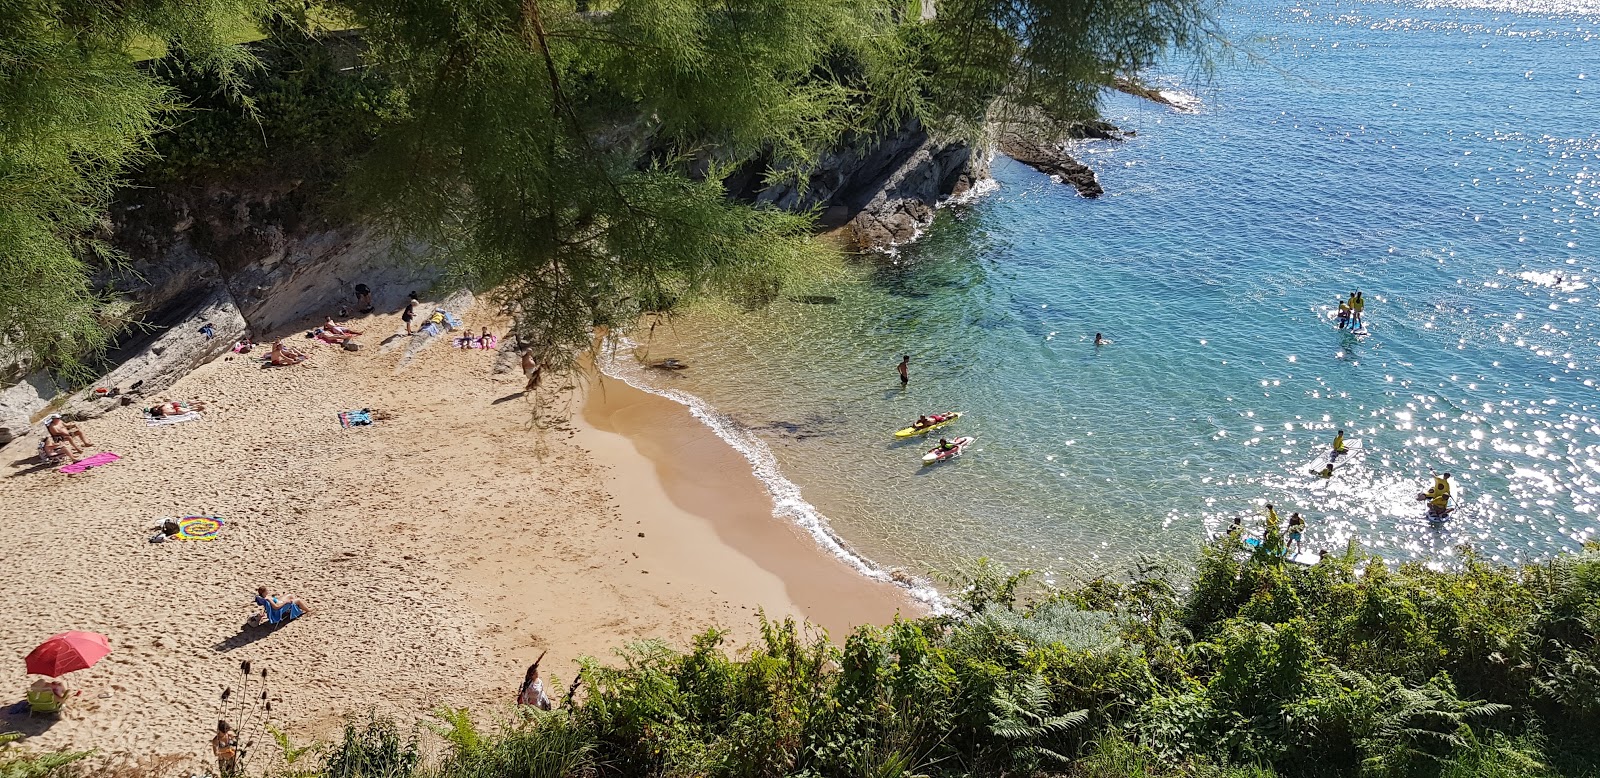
x,y
1350,311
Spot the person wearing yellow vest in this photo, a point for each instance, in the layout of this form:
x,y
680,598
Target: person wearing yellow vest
x,y
1339,448
1358,304
1344,314
1441,483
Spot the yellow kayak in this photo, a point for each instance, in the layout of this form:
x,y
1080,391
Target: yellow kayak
x,y
944,419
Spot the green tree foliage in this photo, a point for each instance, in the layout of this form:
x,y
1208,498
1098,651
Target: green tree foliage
x,y
1099,681
75,112
572,158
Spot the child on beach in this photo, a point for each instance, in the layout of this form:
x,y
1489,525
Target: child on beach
x,y
532,691
410,312
225,745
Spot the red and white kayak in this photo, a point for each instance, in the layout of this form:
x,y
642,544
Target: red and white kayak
x,y
935,454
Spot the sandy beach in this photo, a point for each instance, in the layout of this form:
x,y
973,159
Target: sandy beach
x,y
440,549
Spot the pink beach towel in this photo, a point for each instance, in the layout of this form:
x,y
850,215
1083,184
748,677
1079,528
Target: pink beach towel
x,y
102,458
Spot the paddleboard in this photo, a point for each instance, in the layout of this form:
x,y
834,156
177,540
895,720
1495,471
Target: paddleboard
x,y
1306,558
935,455
910,431
1352,452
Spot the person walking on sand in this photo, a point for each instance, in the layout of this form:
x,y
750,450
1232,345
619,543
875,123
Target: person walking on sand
x,y
410,312
904,368
532,369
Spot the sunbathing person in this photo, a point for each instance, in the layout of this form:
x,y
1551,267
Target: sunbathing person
x,y
52,451
338,329
340,338
174,408
283,355
63,431
280,608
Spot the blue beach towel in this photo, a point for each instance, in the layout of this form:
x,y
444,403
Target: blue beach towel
x,y
360,418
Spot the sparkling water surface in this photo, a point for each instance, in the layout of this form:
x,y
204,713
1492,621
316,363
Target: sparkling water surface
x,y
1443,159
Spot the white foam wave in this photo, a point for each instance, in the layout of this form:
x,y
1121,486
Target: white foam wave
x,y
787,503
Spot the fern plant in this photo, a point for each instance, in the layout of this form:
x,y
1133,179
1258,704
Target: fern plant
x,y
1023,719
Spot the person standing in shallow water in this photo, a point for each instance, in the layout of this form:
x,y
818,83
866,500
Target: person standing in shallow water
x,y
905,370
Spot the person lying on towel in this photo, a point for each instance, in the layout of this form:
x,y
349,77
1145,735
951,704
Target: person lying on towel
x,y
174,408
332,327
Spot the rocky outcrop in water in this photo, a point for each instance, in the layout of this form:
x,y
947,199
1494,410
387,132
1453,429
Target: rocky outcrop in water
x,y
879,193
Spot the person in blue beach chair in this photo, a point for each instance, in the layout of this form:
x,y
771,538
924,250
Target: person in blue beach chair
x,y
279,609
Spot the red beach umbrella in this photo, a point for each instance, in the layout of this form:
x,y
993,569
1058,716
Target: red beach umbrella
x,y
67,652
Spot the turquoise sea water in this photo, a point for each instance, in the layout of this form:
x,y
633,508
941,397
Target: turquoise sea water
x,y
1443,159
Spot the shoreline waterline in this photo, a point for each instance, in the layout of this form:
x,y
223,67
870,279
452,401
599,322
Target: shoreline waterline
x,y
786,502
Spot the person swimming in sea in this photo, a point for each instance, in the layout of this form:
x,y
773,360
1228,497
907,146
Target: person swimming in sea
x,y
1100,340
1325,473
1339,448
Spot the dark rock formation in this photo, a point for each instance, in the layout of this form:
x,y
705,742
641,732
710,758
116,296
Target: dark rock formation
x,y
1050,159
881,193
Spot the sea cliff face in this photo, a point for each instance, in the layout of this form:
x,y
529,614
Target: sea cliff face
x,y
254,256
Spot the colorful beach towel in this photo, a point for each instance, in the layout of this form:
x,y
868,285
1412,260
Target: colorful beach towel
x,y
102,458
161,421
199,528
361,418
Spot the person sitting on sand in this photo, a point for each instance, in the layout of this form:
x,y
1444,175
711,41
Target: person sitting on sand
x,y
532,691
174,408
63,431
53,686
271,603
283,355
52,451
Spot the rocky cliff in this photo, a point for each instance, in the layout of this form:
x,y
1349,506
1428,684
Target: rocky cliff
x,y
254,257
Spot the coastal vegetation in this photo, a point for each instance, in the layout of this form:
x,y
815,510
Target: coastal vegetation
x,y
1248,666
570,155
